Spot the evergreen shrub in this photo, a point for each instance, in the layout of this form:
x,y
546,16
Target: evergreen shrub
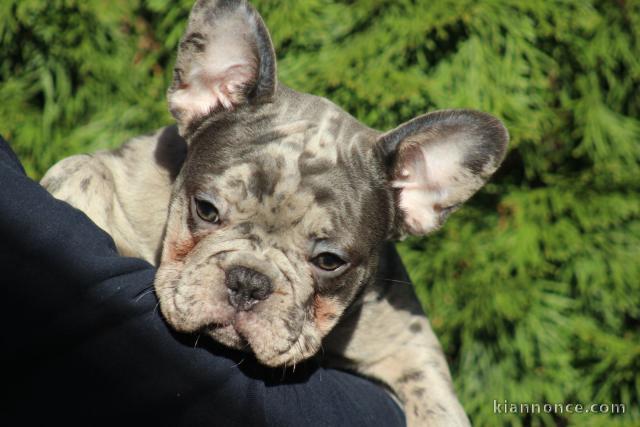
x,y
534,286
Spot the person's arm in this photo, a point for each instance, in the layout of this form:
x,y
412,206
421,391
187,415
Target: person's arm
x,y
87,345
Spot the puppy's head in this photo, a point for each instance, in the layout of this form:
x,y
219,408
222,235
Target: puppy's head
x,y
284,200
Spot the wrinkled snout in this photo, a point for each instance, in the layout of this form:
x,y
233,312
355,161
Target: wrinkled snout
x,y
247,287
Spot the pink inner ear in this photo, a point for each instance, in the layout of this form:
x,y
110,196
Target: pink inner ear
x,y
426,178
205,90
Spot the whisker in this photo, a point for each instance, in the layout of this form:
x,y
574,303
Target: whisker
x,y
144,293
300,349
164,291
238,364
404,282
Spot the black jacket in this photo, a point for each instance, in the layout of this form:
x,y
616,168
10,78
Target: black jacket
x,y
84,343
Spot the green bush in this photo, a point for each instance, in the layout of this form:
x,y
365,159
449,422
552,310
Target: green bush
x,y
534,286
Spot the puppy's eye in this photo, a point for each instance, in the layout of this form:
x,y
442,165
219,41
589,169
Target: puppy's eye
x,y
207,211
328,261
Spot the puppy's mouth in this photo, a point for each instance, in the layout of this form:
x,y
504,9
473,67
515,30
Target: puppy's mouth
x,y
237,333
213,326
226,333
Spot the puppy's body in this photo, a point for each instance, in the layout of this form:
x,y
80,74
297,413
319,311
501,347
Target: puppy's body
x,y
267,212
384,334
126,192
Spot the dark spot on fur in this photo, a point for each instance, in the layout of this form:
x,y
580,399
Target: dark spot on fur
x,y
84,184
475,164
263,183
410,376
194,40
245,227
255,238
441,408
121,151
269,137
178,74
75,166
305,157
291,321
314,167
53,183
324,194
279,162
418,392
415,327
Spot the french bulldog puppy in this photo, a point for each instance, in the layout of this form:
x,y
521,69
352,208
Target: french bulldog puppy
x,y
267,212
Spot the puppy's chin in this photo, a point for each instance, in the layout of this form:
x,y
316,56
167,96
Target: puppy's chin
x,y
276,339
227,335
240,335
291,357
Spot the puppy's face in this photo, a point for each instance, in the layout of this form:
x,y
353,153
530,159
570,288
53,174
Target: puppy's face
x,y
273,228
284,200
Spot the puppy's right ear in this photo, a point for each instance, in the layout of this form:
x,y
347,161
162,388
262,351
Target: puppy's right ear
x,y
225,59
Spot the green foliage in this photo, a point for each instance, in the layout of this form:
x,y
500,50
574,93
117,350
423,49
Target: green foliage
x,y
534,286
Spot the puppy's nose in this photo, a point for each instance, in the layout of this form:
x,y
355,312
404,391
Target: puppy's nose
x,y
247,287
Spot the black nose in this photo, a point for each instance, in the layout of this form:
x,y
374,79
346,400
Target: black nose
x,y
247,287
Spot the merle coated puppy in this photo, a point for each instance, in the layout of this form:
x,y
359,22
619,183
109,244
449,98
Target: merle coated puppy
x,y
267,212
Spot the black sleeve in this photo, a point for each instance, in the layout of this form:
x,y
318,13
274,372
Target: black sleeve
x,y
86,344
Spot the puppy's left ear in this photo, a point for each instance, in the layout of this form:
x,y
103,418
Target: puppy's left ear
x,y
437,161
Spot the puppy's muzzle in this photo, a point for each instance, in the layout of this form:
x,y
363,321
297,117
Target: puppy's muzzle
x,y
247,287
